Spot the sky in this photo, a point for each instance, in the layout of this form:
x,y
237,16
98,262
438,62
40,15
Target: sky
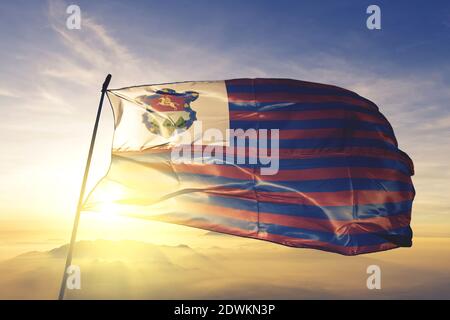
x,y
50,78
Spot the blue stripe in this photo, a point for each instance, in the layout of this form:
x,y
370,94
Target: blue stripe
x,y
328,185
297,106
321,161
361,211
345,161
346,240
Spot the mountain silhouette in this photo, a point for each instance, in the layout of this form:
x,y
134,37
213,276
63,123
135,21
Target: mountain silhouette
x,y
252,270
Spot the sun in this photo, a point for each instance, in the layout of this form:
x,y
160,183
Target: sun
x,y
104,201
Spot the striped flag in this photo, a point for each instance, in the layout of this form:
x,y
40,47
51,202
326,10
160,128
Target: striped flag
x,y
297,163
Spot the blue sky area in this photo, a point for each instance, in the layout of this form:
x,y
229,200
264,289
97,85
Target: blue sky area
x,y
50,76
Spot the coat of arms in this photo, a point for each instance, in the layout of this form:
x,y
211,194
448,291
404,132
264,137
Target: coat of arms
x,y
169,112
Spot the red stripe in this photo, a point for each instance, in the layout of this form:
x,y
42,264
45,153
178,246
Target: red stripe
x,y
372,135
236,172
292,153
342,133
333,132
285,82
281,97
304,115
327,151
337,198
337,173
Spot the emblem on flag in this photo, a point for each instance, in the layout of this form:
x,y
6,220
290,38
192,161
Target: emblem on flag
x,y
169,112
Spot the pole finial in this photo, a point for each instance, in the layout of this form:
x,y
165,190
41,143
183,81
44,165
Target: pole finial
x,y
106,83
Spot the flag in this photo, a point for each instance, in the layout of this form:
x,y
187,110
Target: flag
x,y
292,162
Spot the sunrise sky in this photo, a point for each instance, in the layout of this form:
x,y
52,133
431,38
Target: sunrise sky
x,y
50,78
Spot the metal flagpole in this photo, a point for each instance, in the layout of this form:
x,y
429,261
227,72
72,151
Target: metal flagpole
x,y
83,187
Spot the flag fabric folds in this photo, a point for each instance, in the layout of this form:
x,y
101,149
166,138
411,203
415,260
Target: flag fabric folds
x,y
296,163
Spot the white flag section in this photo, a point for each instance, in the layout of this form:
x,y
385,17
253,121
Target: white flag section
x,y
149,116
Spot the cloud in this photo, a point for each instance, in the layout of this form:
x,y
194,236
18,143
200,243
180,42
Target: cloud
x,y
87,53
8,93
438,124
136,270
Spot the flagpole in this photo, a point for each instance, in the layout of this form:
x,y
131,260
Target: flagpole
x,y
82,190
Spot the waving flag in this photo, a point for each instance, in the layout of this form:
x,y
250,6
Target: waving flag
x,y
297,163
